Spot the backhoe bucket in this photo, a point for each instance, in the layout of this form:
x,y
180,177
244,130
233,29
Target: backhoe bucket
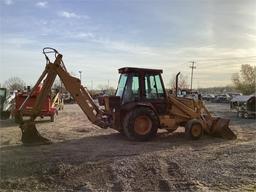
x,y
220,128
30,135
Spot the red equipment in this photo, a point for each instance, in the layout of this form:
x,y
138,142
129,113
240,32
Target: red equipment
x,y
47,109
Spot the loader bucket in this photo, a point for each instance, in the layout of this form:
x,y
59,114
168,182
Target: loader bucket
x,y
220,128
30,135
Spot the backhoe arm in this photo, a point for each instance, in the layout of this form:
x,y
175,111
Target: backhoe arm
x,y
81,95
30,135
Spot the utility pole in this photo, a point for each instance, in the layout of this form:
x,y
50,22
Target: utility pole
x,y
80,74
192,72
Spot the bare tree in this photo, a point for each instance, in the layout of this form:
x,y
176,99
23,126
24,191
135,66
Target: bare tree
x,y
182,84
108,89
102,87
245,80
14,83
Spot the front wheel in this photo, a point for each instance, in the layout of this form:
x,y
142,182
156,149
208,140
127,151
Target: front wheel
x,y
140,124
193,129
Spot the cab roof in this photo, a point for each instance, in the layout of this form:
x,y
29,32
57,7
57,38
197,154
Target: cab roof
x,y
139,70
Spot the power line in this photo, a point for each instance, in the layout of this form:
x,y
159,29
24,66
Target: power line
x,y
231,64
228,58
206,65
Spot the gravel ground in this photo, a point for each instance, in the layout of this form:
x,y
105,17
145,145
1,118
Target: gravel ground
x,y
84,157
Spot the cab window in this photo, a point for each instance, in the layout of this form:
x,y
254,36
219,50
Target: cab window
x,y
131,92
153,87
121,85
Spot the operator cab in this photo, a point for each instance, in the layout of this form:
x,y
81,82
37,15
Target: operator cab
x,y
142,85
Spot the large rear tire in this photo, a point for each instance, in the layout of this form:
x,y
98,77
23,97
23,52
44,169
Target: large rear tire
x,y
140,124
194,129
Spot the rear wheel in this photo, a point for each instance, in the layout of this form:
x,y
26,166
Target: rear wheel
x,y
52,118
140,124
17,118
193,129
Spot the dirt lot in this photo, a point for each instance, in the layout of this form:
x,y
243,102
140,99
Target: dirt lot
x,y
86,158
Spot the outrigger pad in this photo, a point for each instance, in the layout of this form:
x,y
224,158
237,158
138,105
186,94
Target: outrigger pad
x,y
30,135
220,128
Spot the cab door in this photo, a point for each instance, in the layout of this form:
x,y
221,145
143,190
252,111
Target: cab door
x,y
154,92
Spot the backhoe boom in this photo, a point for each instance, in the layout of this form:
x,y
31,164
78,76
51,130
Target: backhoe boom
x,y
73,86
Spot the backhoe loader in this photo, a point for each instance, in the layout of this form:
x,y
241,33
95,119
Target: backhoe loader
x,y
138,109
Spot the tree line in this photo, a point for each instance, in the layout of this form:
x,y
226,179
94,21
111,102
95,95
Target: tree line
x,y
244,81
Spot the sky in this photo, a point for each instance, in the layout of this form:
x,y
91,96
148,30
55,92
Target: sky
x,y
97,37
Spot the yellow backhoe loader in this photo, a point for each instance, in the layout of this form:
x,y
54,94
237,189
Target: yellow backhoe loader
x,y
139,108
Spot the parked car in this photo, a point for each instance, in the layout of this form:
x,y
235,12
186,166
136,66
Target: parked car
x,y
222,98
208,97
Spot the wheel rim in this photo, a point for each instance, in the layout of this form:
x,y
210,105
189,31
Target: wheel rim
x,y
142,125
196,130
